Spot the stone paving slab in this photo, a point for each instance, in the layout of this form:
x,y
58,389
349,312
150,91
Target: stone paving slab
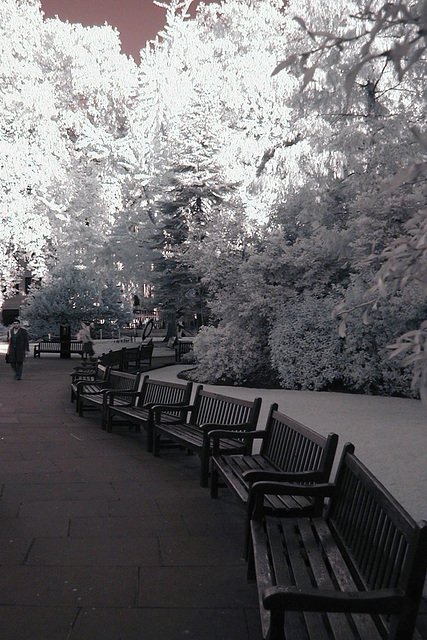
x,y
173,623
68,586
196,587
109,552
50,623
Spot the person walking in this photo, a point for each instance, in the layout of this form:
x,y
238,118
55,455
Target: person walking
x,y
17,348
85,336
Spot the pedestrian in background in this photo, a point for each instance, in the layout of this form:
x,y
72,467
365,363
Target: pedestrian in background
x,y
85,337
18,347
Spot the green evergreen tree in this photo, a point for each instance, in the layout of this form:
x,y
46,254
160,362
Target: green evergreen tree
x,y
68,297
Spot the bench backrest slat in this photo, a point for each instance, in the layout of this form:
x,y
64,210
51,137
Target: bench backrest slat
x,y
215,408
113,358
293,447
101,373
122,381
146,351
160,392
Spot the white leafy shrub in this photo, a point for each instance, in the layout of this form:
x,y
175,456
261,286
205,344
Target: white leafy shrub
x,y
306,350
227,354
367,364
308,353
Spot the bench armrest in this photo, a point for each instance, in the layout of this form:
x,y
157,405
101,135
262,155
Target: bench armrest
x,y
100,385
112,393
295,599
218,431
158,408
238,430
282,476
82,375
325,489
257,491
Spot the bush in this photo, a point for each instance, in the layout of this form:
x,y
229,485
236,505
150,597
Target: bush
x,y
306,350
308,353
227,354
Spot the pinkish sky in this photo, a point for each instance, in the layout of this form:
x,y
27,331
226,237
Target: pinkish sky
x,y
137,20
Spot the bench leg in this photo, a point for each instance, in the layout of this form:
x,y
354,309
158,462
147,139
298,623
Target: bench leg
x,y
109,423
250,573
214,482
204,471
150,437
156,443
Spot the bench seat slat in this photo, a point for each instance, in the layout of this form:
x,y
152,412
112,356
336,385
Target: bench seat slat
x,y
138,414
343,577
340,578
191,435
297,568
232,468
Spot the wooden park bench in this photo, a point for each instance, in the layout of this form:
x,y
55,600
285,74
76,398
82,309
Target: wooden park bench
x,y
87,375
112,358
94,396
357,572
54,346
134,358
137,409
209,411
290,452
182,347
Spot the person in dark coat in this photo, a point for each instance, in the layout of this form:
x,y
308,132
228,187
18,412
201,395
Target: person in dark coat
x,y
18,346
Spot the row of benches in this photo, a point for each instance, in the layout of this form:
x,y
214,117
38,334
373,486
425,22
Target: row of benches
x,y
125,359
331,560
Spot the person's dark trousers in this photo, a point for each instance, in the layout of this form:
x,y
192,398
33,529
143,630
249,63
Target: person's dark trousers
x,y
17,367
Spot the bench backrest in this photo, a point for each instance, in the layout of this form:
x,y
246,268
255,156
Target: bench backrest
x,y
122,381
50,345
146,352
101,373
382,543
214,408
130,358
160,392
113,358
293,447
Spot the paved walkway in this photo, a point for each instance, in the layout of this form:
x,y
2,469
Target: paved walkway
x,y
100,540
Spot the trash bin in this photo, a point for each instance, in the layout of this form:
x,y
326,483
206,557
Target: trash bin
x,y
65,340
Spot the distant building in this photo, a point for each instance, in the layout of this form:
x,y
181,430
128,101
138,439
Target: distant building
x,y
12,306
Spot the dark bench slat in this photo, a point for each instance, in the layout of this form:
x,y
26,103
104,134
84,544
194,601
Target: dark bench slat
x,y
316,555
343,577
298,570
293,623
